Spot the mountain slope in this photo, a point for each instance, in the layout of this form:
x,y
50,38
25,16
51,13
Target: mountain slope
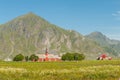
x,y
30,34
111,46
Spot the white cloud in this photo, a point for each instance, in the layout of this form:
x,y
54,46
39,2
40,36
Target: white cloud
x,y
116,28
117,14
114,36
114,14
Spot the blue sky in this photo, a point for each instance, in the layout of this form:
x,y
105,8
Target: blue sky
x,y
84,16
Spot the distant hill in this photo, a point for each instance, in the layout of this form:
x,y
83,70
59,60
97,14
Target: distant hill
x,y
111,46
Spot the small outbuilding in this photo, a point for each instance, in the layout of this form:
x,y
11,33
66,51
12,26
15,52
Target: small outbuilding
x,y
104,57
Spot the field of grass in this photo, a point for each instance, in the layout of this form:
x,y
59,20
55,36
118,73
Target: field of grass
x,y
82,70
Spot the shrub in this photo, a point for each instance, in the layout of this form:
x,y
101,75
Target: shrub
x,y
18,57
33,57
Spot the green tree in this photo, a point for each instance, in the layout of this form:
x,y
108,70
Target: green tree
x,y
68,56
73,56
79,57
18,57
26,58
33,57
63,57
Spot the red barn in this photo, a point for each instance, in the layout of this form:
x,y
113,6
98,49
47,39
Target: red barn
x,y
48,57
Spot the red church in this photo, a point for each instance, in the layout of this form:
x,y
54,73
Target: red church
x,y
48,57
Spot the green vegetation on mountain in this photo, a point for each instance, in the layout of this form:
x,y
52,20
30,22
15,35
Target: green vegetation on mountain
x,y
31,34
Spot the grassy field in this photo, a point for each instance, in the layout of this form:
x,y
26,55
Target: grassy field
x,y
83,70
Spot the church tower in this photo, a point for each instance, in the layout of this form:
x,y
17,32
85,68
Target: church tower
x,y
46,52
46,55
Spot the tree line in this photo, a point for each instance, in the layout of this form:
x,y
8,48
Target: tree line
x,y
64,57
73,57
21,57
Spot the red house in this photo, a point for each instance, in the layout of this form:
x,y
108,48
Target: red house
x,y
48,57
104,57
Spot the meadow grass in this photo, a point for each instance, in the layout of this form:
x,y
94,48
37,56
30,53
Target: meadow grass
x,y
82,70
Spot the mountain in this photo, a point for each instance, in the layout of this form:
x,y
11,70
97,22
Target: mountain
x,y
31,34
111,46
